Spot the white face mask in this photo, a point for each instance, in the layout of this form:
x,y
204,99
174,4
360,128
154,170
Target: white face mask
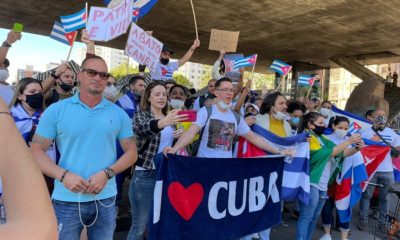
x,y
340,133
280,115
223,105
4,74
110,91
176,103
325,112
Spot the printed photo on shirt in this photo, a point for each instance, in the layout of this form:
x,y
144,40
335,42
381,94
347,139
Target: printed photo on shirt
x,y
220,135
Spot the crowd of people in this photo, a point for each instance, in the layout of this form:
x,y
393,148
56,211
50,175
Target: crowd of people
x,y
87,137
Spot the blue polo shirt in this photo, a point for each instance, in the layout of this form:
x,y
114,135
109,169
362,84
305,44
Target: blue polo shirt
x,y
86,140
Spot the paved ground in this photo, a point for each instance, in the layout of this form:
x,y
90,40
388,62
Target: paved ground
x,y
287,230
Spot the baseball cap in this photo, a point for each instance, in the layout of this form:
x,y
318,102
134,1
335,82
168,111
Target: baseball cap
x,y
166,48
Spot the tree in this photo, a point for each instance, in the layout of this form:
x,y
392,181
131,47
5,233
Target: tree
x,y
182,80
261,80
121,71
206,76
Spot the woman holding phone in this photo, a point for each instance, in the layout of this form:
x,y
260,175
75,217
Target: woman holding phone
x,y
155,130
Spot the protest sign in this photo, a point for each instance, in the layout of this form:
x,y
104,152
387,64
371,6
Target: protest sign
x,y
230,71
105,24
221,39
143,48
195,198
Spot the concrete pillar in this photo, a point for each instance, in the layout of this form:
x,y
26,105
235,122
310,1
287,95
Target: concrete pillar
x,y
367,95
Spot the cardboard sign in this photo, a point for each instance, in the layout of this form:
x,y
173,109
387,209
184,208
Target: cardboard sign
x,y
143,48
105,24
230,72
221,39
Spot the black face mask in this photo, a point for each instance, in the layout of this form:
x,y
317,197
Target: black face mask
x,y
35,101
66,87
164,61
319,130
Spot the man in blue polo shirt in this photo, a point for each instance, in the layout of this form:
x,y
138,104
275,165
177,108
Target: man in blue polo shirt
x,y
85,128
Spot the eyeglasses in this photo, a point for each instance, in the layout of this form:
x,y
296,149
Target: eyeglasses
x,y
225,90
94,73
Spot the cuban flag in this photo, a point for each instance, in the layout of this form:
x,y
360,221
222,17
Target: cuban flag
x,y
306,80
166,73
58,33
245,62
354,128
280,67
74,21
347,186
296,173
361,123
396,168
142,8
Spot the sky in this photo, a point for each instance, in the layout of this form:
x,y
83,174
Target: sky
x,y
36,50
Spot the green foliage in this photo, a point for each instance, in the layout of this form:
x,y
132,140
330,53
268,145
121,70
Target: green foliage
x,y
182,80
206,76
260,80
121,71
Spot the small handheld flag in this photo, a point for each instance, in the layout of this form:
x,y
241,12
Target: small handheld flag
x,y
74,21
58,33
245,62
306,80
354,128
280,67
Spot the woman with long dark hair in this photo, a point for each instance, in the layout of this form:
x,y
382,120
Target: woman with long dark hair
x,y
322,150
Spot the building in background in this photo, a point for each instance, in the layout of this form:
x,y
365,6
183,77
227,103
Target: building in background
x,y
113,57
194,72
27,72
342,82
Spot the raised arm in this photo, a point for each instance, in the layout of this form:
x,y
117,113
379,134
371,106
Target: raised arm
x,y
90,47
12,37
30,214
245,92
189,53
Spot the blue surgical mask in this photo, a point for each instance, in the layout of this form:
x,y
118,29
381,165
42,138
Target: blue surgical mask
x,y
295,120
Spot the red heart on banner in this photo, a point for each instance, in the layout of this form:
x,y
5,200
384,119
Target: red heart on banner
x,y
185,200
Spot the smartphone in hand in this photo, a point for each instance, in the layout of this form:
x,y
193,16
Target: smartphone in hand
x,y
192,115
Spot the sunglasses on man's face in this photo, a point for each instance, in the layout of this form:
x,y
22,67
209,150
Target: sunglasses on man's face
x,y
94,73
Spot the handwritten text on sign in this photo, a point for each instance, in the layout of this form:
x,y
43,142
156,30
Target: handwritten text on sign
x,y
221,39
105,24
143,48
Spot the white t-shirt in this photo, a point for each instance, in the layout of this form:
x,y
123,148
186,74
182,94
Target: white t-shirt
x,y
6,93
219,132
164,72
166,139
391,137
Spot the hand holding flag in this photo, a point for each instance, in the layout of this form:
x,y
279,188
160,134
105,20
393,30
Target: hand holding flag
x,y
74,21
245,62
280,67
306,80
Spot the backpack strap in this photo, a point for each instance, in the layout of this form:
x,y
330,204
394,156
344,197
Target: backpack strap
x,y
209,112
237,117
202,99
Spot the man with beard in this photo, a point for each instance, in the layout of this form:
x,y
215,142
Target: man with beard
x,y
165,69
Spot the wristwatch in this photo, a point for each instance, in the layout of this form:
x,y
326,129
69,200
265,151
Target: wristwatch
x,y
6,44
53,74
109,173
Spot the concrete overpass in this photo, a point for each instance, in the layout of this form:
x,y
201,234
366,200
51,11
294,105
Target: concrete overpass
x,y
311,31
307,33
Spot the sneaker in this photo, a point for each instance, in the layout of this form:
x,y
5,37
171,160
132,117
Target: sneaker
x,y
326,237
362,226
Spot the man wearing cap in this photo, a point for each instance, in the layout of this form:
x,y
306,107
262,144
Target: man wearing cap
x,y
165,69
6,90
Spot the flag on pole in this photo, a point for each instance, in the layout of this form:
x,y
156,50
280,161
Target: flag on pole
x,y
245,62
141,8
280,67
74,21
306,80
58,33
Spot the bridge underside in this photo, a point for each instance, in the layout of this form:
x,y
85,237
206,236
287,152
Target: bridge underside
x,y
306,31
